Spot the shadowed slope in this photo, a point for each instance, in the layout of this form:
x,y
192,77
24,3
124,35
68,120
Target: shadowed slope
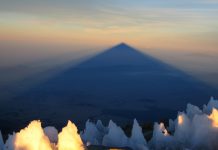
x,y
120,83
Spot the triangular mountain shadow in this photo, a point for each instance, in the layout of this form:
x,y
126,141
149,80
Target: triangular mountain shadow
x,y
120,83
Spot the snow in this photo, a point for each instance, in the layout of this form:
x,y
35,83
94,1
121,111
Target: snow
x,y
30,138
192,110
161,139
1,141
193,129
182,130
52,134
212,104
91,135
69,139
137,140
115,137
9,144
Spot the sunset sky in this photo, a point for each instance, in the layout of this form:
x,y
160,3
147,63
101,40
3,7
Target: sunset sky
x,y
182,33
112,59
168,24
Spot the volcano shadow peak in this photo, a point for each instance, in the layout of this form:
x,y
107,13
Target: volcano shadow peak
x,y
120,83
120,55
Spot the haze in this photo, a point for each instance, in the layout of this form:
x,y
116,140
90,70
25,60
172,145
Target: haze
x,y
39,35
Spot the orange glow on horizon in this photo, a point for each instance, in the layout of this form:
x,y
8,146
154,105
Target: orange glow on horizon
x,y
48,33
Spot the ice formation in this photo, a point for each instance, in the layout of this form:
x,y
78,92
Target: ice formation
x,y
69,139
192,110
115,137
193,129
30,138
137,140
34,138
211,104
91,135
182,129
52,134
1,141
161,138
101,127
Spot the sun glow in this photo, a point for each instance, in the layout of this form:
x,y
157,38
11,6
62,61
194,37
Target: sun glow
x,y
37,140
214,117
69,139
180,119
164,130
33,137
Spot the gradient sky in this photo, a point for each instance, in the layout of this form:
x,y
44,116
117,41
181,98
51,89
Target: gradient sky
x,y
183,33
166,24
